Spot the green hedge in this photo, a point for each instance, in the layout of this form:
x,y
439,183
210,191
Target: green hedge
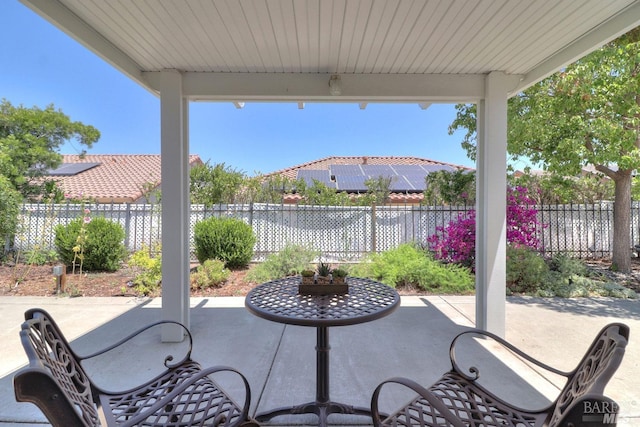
x,y
227,239
103,243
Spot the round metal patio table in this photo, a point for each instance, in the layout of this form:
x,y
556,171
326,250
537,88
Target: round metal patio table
x,y
279,301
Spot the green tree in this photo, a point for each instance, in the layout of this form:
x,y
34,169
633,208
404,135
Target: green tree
x,y
269,189
219,183
378,189
29,140
450,187
589,113
556,189
10,201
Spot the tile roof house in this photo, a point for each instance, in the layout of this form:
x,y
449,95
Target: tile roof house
x,y
347,173
111,178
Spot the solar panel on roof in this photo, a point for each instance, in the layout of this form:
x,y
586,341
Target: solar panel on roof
x,y
311,181
405,178
400,184
417,182
70,169
346,170
407,169
351,183
378,170
322,176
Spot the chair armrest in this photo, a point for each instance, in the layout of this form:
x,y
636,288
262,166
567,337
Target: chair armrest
x,y
184,385
435,403
475,373
167,360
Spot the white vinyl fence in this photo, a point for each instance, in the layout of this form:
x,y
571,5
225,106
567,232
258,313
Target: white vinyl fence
x,y
341,233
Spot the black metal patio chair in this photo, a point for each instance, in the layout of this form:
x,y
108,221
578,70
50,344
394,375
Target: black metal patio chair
x,y
457,399
184,394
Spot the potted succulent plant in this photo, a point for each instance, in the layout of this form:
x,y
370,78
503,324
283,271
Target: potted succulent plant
x,y
323,281
308,277
324,273
339,276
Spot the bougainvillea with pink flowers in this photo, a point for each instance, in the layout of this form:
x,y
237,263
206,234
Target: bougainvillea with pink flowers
x,y
456,242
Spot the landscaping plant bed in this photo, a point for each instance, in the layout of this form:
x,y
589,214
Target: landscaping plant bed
x,y
39,281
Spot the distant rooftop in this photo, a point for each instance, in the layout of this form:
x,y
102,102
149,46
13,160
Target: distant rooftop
x,y
349,174
106,178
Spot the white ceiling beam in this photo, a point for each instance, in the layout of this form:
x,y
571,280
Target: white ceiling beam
x,y
298,87
623,22
56,13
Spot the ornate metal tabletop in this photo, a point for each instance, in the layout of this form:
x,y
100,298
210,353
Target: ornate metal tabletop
x,y
279,301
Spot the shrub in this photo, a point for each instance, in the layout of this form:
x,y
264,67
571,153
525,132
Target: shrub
x,y
103,247
210,274
526,269
573,286
456,242
567,265
290,260
410,265
147,281
616,290
40,256
227,239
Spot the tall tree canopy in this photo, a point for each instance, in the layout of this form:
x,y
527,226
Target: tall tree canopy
x,y
29,140
214,184
588,113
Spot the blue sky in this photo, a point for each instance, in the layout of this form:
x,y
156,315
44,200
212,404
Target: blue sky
x,y
40,65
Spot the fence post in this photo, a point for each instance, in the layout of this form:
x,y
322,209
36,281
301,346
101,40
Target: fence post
x,y
374,235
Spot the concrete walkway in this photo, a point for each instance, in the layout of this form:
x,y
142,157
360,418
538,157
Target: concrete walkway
x,y
279,360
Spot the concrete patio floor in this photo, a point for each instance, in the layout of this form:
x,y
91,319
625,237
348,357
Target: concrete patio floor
x,y
279,360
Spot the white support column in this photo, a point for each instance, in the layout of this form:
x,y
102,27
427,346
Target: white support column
x,y
491,209
175,204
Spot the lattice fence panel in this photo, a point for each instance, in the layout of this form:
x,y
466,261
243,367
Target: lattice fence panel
x,y
635,223
339,233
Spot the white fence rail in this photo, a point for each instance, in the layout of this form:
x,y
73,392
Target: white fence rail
x,y
339,232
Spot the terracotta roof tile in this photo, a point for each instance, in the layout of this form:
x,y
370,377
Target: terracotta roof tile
x,y
119,178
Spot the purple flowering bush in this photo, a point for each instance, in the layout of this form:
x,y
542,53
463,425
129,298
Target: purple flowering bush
x,y
456,242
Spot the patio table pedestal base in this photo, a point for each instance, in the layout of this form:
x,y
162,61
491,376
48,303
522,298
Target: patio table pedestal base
x,y
280,301
322,406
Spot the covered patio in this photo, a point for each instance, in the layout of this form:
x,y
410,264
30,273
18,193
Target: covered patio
x,y
358,52
279,360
